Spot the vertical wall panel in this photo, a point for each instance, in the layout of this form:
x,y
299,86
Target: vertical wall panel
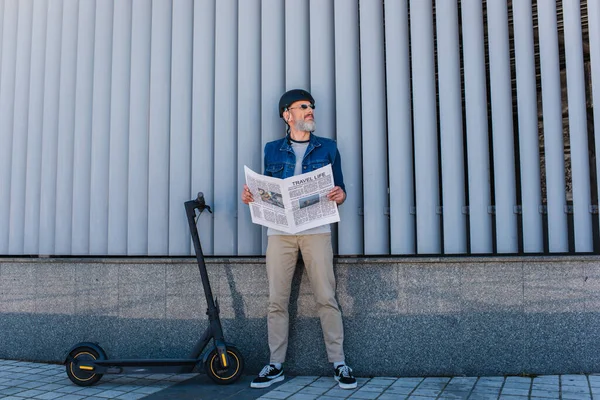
x,y
101,128
137,208
580,166
226,188
249,138
203,114
66,126
83,129
7,98
553,131
119,129
1,47
322,66
594,31
50,128
451,128
375,177
181,126
20,127
425,128
272,68
1,29
399,121
348,123
529,154
35,119
322,76
297,45
502,128
477,127
160,95
272,75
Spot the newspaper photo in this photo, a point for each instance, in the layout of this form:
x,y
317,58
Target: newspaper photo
x,y
293,204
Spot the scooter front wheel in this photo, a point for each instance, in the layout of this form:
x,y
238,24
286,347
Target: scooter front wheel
x,y
227,375
77,375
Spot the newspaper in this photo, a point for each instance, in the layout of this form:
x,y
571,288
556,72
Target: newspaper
x,y
293,204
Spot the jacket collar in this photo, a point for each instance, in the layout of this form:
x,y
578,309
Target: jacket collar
x,y
313,142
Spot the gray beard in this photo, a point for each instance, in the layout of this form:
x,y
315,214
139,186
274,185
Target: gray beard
x,y
306,126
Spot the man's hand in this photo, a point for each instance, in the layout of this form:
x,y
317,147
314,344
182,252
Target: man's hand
x,y
337,194
246,195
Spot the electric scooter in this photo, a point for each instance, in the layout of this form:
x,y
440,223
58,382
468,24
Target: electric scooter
x,y
86,362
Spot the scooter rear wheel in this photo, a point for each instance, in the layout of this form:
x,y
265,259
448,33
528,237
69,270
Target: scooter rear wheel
x,y
228,375
78,376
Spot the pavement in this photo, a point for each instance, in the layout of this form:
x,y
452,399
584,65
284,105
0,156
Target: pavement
x,y
20,379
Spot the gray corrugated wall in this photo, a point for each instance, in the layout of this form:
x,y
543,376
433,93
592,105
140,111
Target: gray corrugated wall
x,y
113,113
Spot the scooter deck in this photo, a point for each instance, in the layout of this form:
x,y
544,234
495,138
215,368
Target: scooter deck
x,y
133,366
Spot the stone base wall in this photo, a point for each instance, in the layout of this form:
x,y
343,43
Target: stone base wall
x,y
402,316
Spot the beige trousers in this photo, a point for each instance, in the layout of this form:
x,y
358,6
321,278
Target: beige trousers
x,y
282,255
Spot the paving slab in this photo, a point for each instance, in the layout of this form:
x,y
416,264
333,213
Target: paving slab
x,y
20,380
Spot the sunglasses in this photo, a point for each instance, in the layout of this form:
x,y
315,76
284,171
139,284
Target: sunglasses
x,y
303,107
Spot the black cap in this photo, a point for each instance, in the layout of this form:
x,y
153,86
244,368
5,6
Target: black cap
x,y
292,96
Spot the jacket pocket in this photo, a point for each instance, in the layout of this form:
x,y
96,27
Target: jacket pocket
x,y
317,164
275,170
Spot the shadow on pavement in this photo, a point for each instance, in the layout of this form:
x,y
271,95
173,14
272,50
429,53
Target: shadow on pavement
x,y
202,388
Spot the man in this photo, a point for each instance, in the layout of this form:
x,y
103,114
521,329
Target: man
x,y
299,152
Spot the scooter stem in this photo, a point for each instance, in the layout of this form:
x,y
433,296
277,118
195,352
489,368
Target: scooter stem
x,y
190,209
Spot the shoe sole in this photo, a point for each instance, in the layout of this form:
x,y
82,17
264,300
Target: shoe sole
x,y
345,385
268,383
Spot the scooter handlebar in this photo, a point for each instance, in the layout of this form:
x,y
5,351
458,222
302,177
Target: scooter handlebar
x,y
199,203
200,199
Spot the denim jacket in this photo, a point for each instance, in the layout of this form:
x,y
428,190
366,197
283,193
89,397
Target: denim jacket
x,y
280,159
